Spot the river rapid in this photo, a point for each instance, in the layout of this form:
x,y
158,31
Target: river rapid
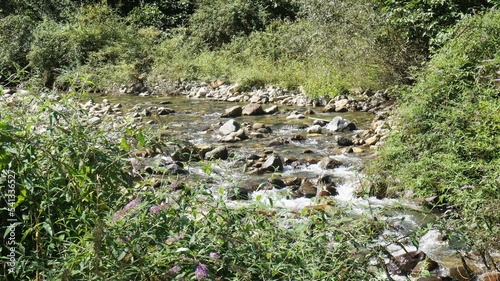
x,y
197,121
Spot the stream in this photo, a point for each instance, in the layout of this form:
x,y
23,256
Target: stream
x,y
198,120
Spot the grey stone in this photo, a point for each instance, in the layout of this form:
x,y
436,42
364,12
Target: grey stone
x,y
273,164
339,124
315,129
229,127
253,109
234,111
217,153
329,163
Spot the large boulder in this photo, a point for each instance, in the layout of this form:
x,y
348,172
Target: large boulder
x,y
229,127
253,109
340,124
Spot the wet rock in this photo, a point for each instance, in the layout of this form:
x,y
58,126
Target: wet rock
x,y
164,111
257,135
229,127
315,129
295,115
372,140
271,110
175,169
253,109
277,183
339,124
146,112
329,163
341,105
234,111
309,112
217,153
327,190
184,152
298,137
203,149
257,126
343,141
239,135
320,122
277,142
265,130
405,263
273,164
307,189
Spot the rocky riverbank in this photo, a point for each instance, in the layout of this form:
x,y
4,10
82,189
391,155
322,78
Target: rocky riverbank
x,y
245,136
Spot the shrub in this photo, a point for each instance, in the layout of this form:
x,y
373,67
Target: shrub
x,y
217,23
445,143
67,174
424,22
15,35
96,42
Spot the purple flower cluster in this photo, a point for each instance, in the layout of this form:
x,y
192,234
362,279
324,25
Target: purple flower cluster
x,y
201,272
214,255
157,209
130,206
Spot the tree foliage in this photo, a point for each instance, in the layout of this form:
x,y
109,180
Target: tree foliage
x,y
423,21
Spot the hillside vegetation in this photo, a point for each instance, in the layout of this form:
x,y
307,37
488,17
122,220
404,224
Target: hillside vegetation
x,y
446,144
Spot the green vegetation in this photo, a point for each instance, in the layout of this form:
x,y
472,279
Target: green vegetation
x,y
287,43
79,216
446,141
83,220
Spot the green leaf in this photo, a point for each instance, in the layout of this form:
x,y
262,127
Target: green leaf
x,y
124,144
206,169
47,228
122,255
141,139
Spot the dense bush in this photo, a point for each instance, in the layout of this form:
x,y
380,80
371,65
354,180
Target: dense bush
x,y
313,48
67,173
96,44
160,14
15,35
425,22
446,143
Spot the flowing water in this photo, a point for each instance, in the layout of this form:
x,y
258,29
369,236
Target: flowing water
x,y
197,120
